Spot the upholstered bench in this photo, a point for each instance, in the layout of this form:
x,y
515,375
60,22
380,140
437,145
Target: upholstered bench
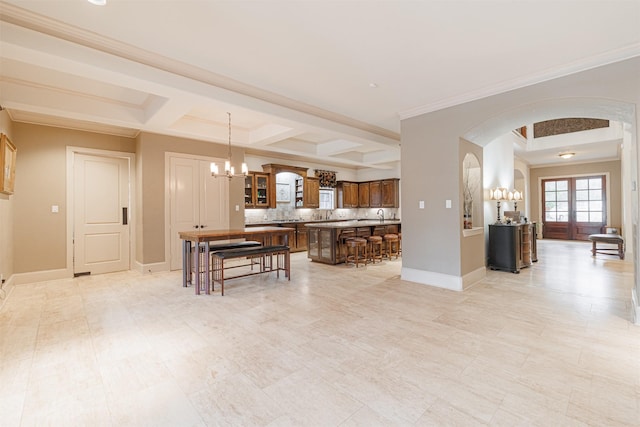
x,y
263,253
614,239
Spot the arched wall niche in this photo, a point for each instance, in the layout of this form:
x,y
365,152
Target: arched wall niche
x,y
520,184
471,189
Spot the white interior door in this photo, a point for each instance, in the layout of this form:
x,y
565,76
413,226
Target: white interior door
x,y
198,201
214,199
100,213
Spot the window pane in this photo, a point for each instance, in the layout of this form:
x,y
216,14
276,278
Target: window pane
x,y
563,185
563,206
595,194
550,206
563,216
595,183
596,216
563,195
582,216
582,184
582,195
595,206
550,216
550,186
549,197
582,206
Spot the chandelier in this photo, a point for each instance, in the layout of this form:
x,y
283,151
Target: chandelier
x,y
229,171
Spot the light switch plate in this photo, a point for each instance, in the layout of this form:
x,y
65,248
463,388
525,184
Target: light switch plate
x,y
447,204
54,209
421,204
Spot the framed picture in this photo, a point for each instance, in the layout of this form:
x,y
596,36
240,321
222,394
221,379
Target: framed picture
x,y
8,164
283,193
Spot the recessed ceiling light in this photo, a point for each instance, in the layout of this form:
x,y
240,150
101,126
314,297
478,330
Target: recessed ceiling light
x,y
566,155
373,85
98,2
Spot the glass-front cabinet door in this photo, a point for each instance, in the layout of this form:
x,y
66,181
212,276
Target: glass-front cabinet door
x,y
313,244
326,245
261,182
248,191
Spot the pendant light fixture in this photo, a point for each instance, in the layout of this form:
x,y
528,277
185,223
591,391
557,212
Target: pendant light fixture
x,y
229,171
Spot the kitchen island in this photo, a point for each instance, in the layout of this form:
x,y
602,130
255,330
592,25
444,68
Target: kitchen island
x,y
323,238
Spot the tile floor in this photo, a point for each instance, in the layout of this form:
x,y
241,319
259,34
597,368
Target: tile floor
x,y
335,346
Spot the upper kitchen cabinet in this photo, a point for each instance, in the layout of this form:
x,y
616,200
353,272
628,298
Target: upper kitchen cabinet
x,y
375,194
347,194
391,193
312,193
256,190
384,194
363,194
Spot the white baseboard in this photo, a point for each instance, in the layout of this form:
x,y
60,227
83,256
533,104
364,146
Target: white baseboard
x,y
470,279
439,280
155,267
6,288
42,276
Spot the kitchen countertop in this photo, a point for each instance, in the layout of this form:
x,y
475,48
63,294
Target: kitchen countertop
x,y
360,222
356,223
292,221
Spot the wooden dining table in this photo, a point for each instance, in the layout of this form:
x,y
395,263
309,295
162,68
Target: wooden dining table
x,y
190,239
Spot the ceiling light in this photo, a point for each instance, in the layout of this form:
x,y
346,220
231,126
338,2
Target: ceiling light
x,y
98,2
566,155
229,171
373,85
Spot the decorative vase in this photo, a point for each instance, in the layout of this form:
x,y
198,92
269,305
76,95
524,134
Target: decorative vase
x,y
468,209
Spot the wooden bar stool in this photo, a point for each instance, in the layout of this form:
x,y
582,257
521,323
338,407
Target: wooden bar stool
x,y
392,245
375,248
400,244
342,246
356,250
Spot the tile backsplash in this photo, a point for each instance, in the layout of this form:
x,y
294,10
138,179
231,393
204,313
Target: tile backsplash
x,y
252,216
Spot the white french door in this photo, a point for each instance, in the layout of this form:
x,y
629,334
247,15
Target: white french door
x,y
100,214
198,201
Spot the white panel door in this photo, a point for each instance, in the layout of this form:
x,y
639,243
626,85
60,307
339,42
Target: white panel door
x,y
100,204
214,199
198,201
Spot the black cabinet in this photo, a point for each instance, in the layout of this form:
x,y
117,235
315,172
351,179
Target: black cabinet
x,y
510,246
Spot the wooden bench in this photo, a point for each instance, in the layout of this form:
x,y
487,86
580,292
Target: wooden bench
x,y
217,246
614,239
265,256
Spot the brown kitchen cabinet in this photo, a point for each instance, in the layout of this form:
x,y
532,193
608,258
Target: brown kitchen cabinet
x,y
375,194
256,190
390,193
363,194
347,194
311,193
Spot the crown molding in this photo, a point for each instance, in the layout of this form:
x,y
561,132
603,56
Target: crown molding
x,y
595,61
32,21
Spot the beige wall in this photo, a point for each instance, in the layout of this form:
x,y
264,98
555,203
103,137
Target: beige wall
x,y
6,209
614,217
40,236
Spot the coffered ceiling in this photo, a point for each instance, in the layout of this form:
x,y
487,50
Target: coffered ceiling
x,y
321,80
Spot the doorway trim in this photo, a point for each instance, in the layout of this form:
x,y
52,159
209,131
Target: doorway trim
x,y
130,157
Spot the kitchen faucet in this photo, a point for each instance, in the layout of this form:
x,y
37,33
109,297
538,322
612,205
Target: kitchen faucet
x,y
381,213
